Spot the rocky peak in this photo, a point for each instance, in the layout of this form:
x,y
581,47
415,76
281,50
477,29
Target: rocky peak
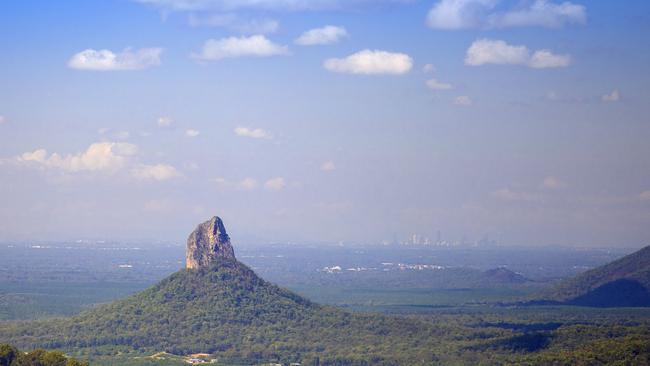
x,y
208,241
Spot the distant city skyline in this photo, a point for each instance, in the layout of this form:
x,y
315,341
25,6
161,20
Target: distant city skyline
x,y
327,120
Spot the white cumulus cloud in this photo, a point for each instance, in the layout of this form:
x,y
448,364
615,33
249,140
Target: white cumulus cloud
x,y
256,133
434,84
325,35
371,62
105,60
157,172
545,59
232,47
37,156
275,184
463,14
488,51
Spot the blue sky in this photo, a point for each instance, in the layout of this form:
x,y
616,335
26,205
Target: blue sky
x,y
522,120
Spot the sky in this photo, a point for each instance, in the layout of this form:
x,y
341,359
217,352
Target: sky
x,y
326,120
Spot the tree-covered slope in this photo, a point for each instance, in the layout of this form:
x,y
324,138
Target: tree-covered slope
x,y
11,356
624,282
227,310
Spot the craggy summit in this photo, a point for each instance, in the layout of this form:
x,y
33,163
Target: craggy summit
x,y
208,241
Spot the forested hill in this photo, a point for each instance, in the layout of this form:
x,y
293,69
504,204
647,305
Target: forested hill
x,y
624,282
221,307
227,310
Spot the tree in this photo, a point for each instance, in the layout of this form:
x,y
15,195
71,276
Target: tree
x,y
7,354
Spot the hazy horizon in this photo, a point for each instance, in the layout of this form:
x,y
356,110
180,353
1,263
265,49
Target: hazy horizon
x,y
323,121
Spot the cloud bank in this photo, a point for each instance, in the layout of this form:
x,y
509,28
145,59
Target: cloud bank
x,y
100,157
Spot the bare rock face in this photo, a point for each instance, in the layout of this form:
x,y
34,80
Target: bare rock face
x,y
208,241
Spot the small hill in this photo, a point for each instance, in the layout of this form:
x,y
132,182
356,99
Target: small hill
x,y
184,312
503,275
624,282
